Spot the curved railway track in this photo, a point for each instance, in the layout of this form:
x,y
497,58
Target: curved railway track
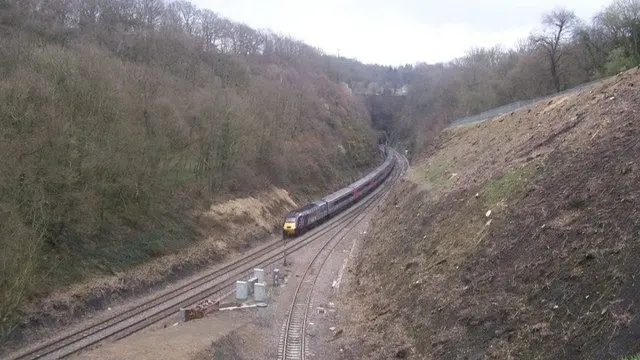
x,y
292,342
212,283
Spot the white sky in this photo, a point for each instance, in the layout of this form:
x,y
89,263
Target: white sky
x,y
396,32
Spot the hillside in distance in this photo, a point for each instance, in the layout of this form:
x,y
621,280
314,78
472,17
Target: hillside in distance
x,y
120,126
513,238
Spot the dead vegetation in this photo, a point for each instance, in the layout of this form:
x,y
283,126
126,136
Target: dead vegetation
x,y
515,238
116,136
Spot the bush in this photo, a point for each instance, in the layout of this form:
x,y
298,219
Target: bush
x,y
618,61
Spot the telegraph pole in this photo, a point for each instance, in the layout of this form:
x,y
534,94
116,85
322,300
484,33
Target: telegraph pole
x,y
284,249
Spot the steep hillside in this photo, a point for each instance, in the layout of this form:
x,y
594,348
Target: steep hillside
x,y
119,137
515,238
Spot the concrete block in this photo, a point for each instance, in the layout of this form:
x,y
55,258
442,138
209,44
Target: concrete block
x,y
276,277
260,293
259,273
242,290
250,284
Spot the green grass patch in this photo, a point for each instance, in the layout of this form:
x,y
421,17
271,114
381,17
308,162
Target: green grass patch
x,y
631,357
437,173
464,230
181,176
101,255
506,185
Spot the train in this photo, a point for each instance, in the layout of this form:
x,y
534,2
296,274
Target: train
x,y
310,215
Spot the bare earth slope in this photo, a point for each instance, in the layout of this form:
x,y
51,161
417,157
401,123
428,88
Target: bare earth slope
x,y
515,238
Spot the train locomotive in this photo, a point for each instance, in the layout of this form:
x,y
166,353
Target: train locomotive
x,y
302,219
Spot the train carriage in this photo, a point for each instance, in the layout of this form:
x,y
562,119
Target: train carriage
x,y
339,200
310,215
304,218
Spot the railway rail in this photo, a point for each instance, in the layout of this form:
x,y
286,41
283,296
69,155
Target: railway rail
x,y
151,311
292,342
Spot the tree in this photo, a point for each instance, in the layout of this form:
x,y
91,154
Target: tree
x,y
620,22
148,14
208,22
186,15
560,24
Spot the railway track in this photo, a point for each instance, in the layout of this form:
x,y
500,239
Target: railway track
x,y
292,341
151,311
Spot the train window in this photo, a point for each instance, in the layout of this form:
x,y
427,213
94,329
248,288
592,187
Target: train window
x,y
343,199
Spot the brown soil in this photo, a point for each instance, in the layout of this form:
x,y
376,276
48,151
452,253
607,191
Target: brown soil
x,y
515,238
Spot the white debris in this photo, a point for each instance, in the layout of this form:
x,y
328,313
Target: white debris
x,y
488,222
488,213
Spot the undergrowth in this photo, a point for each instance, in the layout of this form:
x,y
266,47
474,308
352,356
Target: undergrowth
x,y
110,152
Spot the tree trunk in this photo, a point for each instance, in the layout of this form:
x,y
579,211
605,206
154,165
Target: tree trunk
x,y
554,74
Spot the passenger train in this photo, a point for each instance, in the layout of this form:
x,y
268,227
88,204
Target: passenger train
x,y
310,215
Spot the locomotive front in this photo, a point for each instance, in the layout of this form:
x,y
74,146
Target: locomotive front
x,y
289,226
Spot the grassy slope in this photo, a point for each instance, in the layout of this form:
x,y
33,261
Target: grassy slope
x,y
550,273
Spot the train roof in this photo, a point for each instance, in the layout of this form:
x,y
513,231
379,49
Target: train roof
x,y
306,207
337,194
344,191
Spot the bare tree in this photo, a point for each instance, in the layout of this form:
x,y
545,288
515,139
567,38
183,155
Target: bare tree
x,y
560,24
208,20
148,14
187,14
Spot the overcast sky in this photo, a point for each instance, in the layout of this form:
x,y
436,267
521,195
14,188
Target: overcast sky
x,y
396,32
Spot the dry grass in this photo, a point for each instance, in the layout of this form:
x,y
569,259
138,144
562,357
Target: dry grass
x,y
254,210
223,349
